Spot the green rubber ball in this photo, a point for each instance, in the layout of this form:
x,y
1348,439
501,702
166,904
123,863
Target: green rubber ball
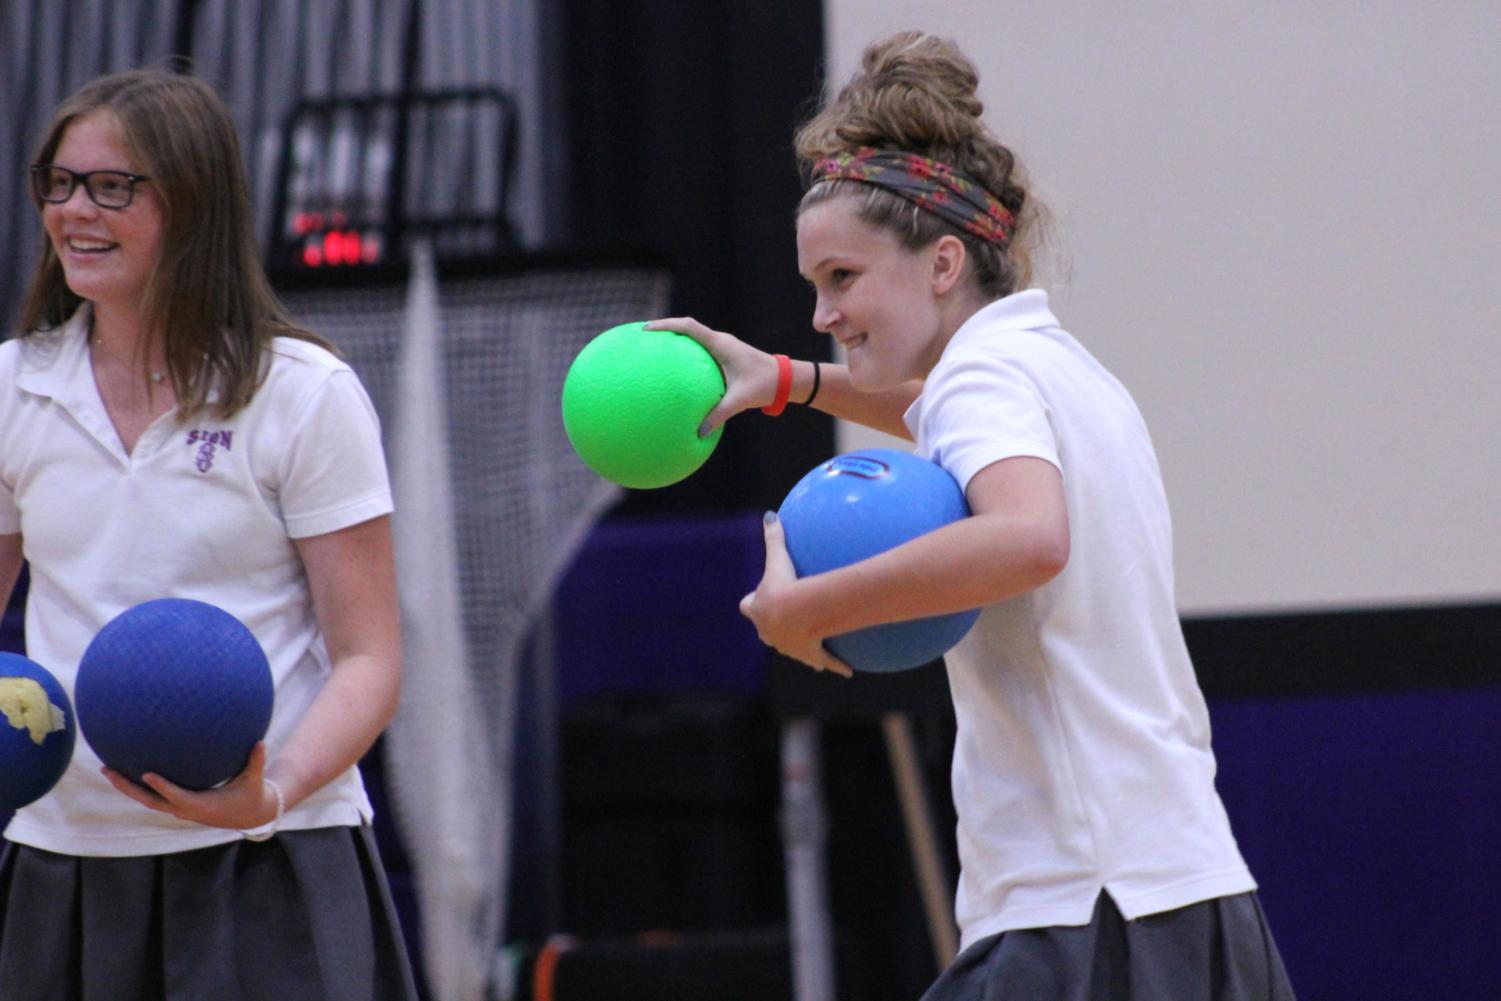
x,y
633,401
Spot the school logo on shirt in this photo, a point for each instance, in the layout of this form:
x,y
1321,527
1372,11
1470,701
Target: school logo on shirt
x,y
208,443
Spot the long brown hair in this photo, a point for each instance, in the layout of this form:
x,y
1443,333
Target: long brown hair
x,y
208,298
916,93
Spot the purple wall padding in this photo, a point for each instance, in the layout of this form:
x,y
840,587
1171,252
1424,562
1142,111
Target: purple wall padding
x,y
653,605
1372,824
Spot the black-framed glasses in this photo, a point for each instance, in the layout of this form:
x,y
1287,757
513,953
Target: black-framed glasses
x,y
109,189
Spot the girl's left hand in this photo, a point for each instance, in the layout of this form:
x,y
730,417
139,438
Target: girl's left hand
x,y
767,607
241,804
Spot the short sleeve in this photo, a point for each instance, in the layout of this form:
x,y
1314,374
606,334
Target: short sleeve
x,y
981,409
334,472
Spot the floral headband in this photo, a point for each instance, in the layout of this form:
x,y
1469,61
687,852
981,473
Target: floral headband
x,y
929,184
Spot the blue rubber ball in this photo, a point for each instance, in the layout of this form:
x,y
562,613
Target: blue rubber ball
x,y
37,731
176,687
863,503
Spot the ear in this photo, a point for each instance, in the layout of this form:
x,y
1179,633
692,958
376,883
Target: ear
x,y
948,263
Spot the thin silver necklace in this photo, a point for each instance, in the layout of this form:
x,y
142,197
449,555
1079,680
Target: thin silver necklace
x,y
157,375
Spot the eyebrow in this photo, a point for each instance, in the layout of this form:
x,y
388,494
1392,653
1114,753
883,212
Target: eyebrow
x,y
96,170
824,262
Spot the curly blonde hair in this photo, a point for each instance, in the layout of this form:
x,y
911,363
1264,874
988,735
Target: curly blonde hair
x,y
916,93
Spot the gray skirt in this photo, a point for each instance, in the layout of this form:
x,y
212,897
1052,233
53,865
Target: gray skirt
x,y
1215,950
304,915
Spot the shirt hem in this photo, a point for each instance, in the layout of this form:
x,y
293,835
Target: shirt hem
x,y
1132,906
123,845
1220,884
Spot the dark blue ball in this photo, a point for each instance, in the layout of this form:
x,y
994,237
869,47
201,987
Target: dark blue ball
x,y
863,503
37,731
176,687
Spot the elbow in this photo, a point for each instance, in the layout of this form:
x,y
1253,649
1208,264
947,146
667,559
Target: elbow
x,y
1027,563
1049,556
390,692
392,704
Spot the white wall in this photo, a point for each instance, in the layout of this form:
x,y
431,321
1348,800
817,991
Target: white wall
x,y
1283,226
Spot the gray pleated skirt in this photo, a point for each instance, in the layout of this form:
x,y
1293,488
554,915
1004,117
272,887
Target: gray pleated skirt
x,y
1216,950
304,915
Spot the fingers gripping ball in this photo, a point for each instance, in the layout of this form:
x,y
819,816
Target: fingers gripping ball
x,y
633,401
37,731
856,506
176,687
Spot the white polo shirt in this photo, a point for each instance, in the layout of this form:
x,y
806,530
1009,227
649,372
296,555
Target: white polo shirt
x,y
1082,760
205,510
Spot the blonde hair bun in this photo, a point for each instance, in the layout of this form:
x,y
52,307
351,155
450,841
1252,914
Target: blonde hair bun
x,y
913,91
918,93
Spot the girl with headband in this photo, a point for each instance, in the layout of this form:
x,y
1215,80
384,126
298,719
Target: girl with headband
x,y
1097,861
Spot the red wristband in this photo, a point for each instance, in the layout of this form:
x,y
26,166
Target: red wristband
x,y
784,386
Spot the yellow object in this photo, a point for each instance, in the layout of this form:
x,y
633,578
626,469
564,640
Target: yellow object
x,y
26,707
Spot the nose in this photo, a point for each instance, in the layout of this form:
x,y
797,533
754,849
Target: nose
x,y
79,202
825,315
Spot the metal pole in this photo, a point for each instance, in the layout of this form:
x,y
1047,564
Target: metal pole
x,y
804,831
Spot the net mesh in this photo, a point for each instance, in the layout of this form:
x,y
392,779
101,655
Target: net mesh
x,y
522,503
508,341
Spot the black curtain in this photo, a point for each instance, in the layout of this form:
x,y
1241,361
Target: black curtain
x,y
680,119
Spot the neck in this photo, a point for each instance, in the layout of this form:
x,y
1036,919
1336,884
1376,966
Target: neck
x,y
954,312
122,336
963,301
122,329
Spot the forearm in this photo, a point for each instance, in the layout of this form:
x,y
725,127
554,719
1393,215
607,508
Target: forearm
x,y
339,727
880,410
972,563
352,578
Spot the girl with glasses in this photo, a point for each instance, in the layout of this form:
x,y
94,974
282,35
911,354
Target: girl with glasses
x,y
166,430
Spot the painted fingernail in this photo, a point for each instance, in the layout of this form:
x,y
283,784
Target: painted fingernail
x,y
703,430
769,518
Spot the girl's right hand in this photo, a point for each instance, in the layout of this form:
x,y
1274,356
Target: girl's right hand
x,y
750,375
777,620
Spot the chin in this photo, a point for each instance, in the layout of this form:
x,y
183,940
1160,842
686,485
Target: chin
x,y
860,379
93,288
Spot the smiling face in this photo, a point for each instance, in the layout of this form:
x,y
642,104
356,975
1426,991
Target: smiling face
x,y
107,255
878,299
